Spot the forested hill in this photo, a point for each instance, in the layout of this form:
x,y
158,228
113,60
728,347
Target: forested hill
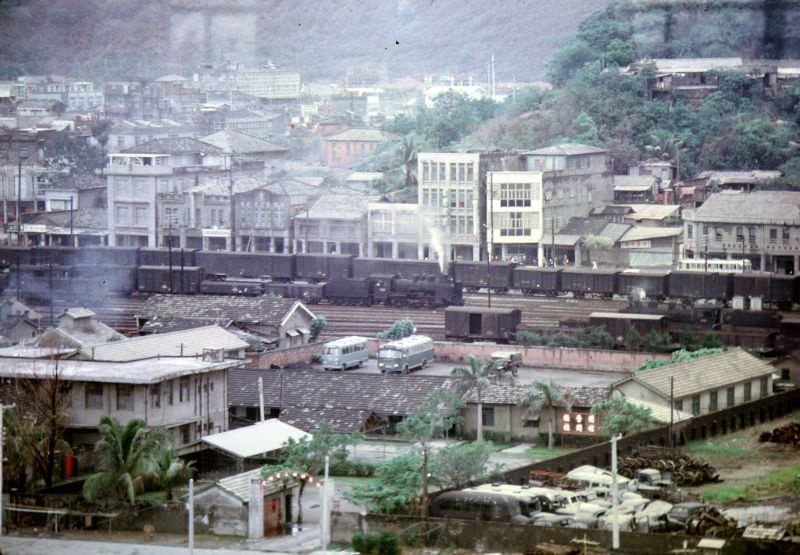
x,y
322,38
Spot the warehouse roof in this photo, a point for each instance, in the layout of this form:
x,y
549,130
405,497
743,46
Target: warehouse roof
x,y
702,374
231,141
336,205
183,343
345,421
634,183
759,207
173,145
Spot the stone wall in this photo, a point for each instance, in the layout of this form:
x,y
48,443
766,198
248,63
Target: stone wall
x,y
282,358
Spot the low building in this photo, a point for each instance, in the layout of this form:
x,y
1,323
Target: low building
x,y
763,227
702,385
280,322
345,148
78,328
506,417
693,192
335,224
635,188
394,230
664,215
652,246
349,403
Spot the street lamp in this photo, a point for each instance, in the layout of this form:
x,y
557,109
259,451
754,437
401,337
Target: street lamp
x,y
22,154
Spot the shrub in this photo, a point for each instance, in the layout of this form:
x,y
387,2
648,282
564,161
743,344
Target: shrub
x,y
365,542
352,468
411,537
387,544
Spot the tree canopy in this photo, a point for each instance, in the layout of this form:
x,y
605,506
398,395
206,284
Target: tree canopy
x,y
619,416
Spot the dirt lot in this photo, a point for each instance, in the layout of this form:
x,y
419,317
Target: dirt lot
x,y
751,471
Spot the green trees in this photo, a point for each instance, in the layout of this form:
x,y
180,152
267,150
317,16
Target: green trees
x,y
317,327
395,487
398,330
618,416
542,396
306,458
475,377
169,471
456,466
124,457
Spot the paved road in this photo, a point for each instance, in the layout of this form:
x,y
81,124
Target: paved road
x,y
38,546
567,378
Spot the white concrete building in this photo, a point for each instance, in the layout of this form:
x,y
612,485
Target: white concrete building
x,y
515,214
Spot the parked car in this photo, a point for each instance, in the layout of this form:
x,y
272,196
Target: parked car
x,y
681,513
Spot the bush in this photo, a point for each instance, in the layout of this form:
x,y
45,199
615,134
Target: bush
x,y
352,468
387,544
411,537
365,543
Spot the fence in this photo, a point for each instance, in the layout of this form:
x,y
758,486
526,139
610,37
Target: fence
x,y
699,427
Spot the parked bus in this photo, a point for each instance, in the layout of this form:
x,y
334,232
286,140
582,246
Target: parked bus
x,y
715,265
405,354
344,353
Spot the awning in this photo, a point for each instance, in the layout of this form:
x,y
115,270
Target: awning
x,y
293,333
259,438
304,331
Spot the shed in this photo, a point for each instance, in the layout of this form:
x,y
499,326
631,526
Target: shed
x,y
259,438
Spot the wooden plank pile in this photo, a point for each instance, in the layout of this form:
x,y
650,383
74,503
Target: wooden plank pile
x,y
788,434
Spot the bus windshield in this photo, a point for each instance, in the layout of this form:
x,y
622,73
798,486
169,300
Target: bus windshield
x,y
331,350
389,353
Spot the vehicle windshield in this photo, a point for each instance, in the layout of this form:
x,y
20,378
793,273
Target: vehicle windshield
x,y
331,351
389,353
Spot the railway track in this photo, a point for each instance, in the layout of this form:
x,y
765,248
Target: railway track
x,y
537,313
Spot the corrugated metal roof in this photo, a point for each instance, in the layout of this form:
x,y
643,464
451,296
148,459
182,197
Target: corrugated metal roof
x,y
641,233
262,437
704,373
183,343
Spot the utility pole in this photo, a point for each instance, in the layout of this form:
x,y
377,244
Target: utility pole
x,y
169,254
71,223
21,155
671,412
553,241
326,515
489,237
261,398
191,516
614,494
2,428
50,280
706,257
232,205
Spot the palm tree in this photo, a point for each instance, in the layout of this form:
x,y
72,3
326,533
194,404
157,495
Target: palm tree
x,y
476,377
124,455
546,396
170,471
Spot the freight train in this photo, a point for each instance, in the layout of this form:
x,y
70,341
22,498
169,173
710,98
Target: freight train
x,y
422,281
93,273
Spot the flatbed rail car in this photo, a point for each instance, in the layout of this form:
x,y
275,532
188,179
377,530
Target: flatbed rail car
x,y
477,323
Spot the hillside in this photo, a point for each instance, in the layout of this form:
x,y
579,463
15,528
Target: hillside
x,y
114,38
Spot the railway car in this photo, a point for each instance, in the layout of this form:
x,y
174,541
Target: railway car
x,y
589,281
477,275
430,292
61,256
115,279
697,285
777,290
650,285
365,267
237,287
11,255
278,267
617,324
322,267
162,279
166,257
476,323
533,280
108,256
349,291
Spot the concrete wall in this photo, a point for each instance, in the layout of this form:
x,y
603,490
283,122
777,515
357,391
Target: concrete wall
x,y
281,358
221,512
509,538
509,423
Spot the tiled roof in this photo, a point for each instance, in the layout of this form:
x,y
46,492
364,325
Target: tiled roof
x,y
184,343
653,211
231,141
566,149
703,374
751,176
344,391
634,183
337,206
364,135
514,394
168,324
254,310
639,233
759,207
309,419
173,145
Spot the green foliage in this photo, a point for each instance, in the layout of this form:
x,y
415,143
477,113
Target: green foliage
x,y
590,337
125,455
681,355
476,378
541,397
398,330
169,470
658,342
365,542
355,469
317,326
457,465
618,416
395,488
388,544
633,339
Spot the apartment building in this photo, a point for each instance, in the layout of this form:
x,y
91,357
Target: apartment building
x,y
763,226
515,215
393,230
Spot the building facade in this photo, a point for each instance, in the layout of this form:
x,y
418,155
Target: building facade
x,y
515,214
394,230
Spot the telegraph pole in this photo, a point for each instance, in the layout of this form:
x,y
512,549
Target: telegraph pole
x,y
2,427
71,223
232,205
489,238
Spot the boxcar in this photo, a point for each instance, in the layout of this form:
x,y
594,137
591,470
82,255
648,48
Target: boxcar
x,y
534,280
481,323
583,281
11,256
618,323
117,279
162,256
116,256
652,284
776,289
365,267
322,267
247,264
159,279
240,287
476,275
310,293
348,291
62,256
700,285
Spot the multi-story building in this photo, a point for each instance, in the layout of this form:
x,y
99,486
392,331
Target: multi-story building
x,y
345,148
763,227
515,215
82,96
451,198
335,224
126,134
268,83
394,230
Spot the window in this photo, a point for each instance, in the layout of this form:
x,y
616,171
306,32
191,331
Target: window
x,y
94,396
123,215
748,391
730,394
679,404
751,232
689,231
426,171
488,417
442,171
712,401
453,172
705,229
186,434
717,234
155,396
470,173
773,235
763,386
170,392
785,234
140,217
516,224
515,195
124,397
739,234
695,405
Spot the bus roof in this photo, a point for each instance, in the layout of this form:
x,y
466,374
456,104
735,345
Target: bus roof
x,y
346,341
410,341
